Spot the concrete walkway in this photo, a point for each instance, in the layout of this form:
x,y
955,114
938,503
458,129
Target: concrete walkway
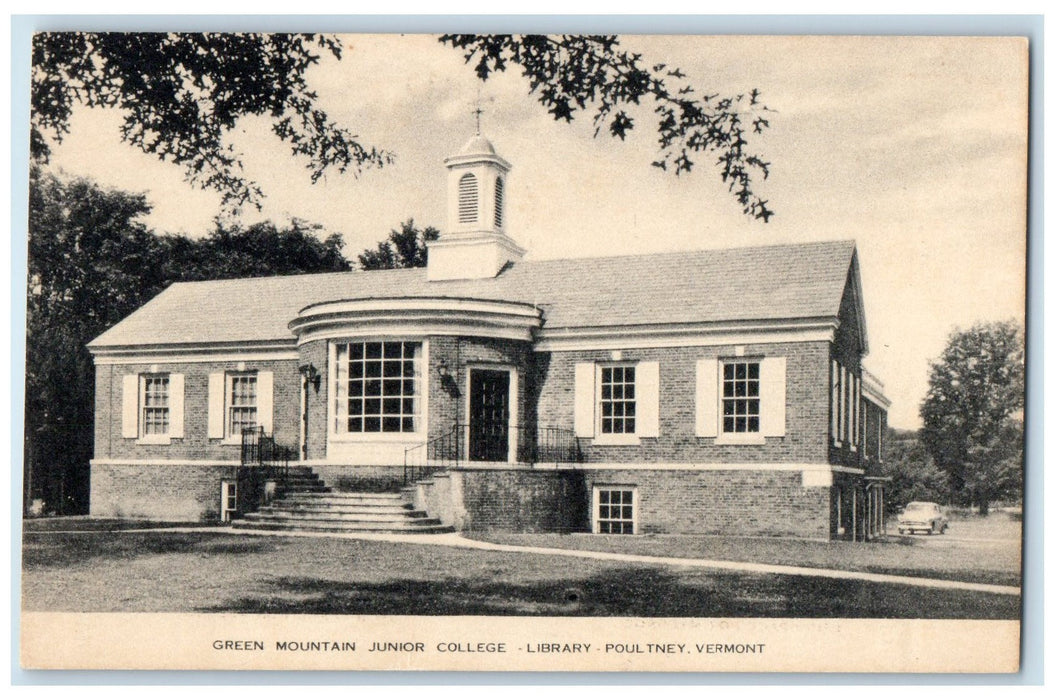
x,y
456,540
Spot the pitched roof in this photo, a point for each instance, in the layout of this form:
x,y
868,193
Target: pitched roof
x,y
738,284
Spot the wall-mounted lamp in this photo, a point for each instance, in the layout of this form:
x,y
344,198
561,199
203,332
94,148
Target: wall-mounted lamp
x,y
447,381
311,375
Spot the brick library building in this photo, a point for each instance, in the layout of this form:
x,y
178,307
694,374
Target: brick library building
x,y
706,392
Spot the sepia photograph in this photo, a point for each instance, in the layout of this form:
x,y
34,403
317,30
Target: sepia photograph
x,y
630,352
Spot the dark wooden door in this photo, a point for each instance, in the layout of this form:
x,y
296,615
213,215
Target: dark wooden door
x,y
489,415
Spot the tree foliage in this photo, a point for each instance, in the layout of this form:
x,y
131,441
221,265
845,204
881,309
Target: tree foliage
x,y
571,73
259,250
913,474
406,247
92,261
972,412
181,95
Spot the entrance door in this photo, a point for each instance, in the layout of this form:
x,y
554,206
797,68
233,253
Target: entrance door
x,y
489,415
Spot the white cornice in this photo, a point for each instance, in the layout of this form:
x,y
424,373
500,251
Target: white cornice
x,y
417,317
420,317
477,237
195,352
686,335
465,159
874,396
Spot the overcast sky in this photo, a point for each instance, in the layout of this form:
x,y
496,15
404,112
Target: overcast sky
x,y
914,147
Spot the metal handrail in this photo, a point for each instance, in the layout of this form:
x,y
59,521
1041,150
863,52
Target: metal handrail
x,y
262,460
259,450
439,453
534,445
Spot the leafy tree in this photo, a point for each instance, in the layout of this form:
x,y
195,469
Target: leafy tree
x,y
914,476
183,93
261,249
404,248
572,73
92,262
972,412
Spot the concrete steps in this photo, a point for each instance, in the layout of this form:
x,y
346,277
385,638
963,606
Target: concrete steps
x,y
342,512
302,480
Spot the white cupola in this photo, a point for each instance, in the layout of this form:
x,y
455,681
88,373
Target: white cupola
x,y
475,245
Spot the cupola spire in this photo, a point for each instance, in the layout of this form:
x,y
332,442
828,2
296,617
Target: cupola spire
x,y
475,244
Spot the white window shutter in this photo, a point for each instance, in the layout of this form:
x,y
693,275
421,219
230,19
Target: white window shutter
x,y
855,409
842,403
773,395
217,392
585,398
707,398
647,393
265,401
852,420
835,400
130,406
176,405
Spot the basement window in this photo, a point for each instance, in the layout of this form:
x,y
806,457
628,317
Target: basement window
x,y
614,510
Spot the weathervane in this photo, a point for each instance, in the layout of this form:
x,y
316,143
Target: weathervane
x,y
478,111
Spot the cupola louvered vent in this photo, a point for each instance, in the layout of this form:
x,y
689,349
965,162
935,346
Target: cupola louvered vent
x,y
468,199
498,203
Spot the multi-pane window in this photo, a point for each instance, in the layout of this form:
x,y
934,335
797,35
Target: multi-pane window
x,y
241,403
228,499
740,396
155,404
376,385
615,511
618,402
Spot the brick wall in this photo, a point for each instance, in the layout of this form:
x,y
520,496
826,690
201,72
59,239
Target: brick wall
x,y
447,400
195,444
734,502
317,353
846,349
174,492
805,438
520,500
670,501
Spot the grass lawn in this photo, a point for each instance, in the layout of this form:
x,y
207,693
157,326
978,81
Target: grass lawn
x,y
980,550
899,556
121,571
86,524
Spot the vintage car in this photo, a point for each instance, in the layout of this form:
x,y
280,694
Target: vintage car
x,y
922,516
